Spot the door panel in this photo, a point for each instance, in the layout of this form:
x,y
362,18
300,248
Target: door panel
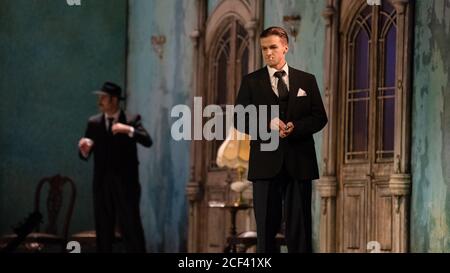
x,y
354,195
383,215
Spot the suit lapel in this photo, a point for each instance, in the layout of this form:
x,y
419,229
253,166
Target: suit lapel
x,y
296,81
102,126
293,83
122,117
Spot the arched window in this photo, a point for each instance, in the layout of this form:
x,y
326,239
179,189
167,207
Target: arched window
x,y
370,92
229,61
358,91
386,83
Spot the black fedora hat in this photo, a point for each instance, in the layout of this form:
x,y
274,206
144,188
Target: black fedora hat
x,y
110,88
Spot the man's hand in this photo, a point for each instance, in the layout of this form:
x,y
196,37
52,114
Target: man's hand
x,y
287,130
277,124
120,128
85,146
284,129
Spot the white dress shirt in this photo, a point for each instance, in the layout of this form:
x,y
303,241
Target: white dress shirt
x,y
115,117
274,80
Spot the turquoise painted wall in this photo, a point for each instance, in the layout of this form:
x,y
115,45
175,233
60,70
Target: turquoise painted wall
x,y
212,4
430,211
51,58
156,85
306,53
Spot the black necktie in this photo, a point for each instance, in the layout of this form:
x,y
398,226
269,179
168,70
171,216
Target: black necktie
x,y
283,92
110,123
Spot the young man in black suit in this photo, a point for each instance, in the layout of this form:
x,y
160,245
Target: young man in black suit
x,y
282,178
112,136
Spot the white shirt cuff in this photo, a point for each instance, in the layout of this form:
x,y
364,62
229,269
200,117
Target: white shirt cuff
x,y
131,133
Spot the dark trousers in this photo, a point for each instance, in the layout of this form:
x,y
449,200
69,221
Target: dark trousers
x,y
116,202
278,197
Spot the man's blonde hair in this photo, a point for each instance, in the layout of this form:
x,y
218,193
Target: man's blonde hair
x,y
277,31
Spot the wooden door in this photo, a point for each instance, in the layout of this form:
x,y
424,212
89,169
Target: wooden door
x,y
366,129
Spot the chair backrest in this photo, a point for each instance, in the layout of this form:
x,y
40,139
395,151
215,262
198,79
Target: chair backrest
x,y
54,203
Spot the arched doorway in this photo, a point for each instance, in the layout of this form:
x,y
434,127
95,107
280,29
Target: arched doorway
x,y
366,176
227,49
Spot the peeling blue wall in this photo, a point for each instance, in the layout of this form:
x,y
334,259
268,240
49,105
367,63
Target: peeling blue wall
x,y
51,58
430,211
155,86
306,53
212,4
53,55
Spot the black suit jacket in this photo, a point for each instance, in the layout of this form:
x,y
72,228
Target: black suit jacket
x,y
306,113
117,153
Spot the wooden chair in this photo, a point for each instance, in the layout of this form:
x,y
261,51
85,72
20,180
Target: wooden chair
x,y
51,234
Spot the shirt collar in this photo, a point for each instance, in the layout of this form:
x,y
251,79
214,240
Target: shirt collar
x,y
273,70
115,116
